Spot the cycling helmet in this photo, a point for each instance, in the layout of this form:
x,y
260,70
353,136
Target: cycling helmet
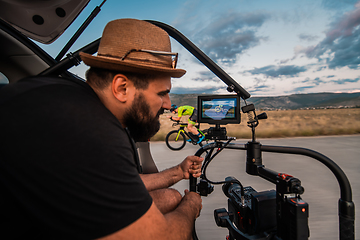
x,y
173,107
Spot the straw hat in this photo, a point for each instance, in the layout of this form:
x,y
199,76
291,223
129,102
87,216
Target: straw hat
x,y
131,45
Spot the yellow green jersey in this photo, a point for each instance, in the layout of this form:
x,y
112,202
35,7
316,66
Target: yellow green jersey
x,y
185,110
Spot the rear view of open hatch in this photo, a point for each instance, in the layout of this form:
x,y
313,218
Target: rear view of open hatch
x,y
41,20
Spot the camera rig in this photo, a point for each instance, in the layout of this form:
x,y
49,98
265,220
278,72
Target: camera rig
x,y
274,214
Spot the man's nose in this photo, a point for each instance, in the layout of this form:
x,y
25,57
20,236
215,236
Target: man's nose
x,y
167,102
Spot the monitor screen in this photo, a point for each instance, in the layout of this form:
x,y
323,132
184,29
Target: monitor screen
x,y
219,109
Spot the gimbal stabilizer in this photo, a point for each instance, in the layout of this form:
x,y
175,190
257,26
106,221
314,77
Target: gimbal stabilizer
x,y
280,214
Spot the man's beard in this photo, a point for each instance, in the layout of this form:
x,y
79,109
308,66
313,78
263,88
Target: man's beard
x,y
138,120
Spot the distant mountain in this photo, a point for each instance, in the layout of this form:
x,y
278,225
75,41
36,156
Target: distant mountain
x,y
294,101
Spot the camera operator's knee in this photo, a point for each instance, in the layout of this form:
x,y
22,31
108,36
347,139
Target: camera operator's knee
x,y
166,199
173,195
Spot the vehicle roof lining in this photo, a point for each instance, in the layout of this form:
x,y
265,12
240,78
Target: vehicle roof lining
x,y
17,60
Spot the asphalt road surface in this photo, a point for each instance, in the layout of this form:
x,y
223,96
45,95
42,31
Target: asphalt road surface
x,y
322,190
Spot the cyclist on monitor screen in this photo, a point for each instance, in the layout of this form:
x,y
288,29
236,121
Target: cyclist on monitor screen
x,y
184,111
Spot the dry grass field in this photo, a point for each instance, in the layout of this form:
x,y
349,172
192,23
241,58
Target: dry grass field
x,y
287,123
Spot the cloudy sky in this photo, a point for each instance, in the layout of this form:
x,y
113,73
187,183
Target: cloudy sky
x,y
270,48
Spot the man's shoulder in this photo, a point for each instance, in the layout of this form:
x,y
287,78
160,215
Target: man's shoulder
x,y
35,84
40,81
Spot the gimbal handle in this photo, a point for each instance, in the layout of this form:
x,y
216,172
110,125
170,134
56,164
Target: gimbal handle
x,y
193,183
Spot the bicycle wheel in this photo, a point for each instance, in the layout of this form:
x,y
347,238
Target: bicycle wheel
x,y
175,142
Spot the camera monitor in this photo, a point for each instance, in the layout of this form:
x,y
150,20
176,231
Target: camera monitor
x,y
219,109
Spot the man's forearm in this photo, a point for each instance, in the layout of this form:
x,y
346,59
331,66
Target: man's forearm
x,y
163,179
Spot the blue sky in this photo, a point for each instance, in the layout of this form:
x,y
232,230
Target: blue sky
x,y
270,48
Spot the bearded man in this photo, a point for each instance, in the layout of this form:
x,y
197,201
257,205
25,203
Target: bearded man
x,y
69,167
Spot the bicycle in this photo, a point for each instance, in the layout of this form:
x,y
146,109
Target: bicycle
x,y
176,139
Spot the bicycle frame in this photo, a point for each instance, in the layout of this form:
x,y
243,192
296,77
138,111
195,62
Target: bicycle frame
x,y
182,130
176,139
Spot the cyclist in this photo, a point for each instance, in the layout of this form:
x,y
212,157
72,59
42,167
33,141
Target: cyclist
x,y
192,112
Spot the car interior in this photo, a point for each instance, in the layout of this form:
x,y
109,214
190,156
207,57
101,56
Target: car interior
x,y
22,23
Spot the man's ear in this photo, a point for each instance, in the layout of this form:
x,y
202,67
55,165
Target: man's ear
x,y
120,87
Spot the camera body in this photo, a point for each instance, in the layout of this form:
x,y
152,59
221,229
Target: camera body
x,y
256,213
272,212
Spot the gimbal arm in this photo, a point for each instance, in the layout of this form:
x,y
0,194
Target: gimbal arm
x,y
346,207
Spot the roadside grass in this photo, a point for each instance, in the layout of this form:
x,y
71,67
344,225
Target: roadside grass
x,y
286,123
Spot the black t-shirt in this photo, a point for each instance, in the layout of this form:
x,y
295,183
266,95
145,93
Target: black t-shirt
x,y
67,166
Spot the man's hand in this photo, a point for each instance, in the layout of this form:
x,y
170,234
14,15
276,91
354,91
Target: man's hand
x,y
191,165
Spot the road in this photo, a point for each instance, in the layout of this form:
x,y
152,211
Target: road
x,y
322,191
